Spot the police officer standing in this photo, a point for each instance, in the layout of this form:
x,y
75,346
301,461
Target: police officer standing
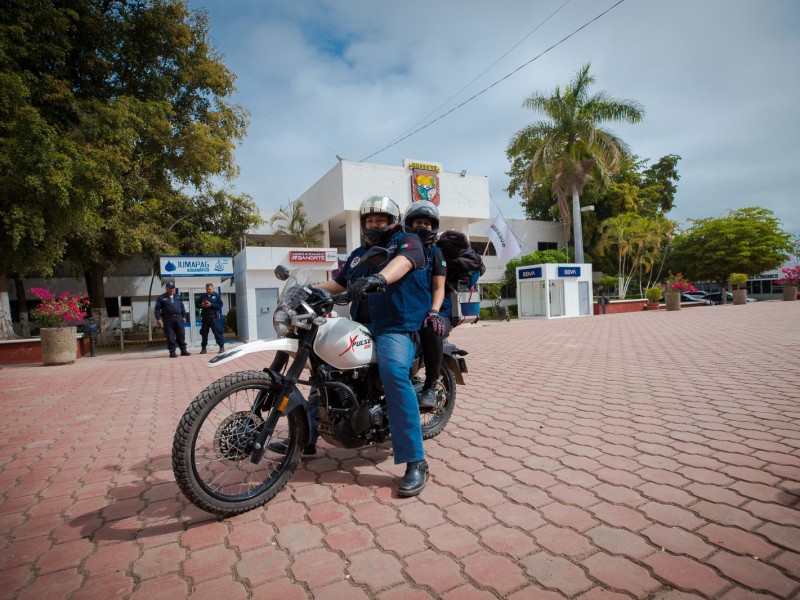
x,y
171,315
210,307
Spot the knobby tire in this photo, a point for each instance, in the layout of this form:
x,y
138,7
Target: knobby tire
x,y
210,453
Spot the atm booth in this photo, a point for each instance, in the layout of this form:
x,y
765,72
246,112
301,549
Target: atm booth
x,y
553,291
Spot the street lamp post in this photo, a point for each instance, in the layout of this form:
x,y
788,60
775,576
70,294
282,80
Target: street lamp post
x,y
578,227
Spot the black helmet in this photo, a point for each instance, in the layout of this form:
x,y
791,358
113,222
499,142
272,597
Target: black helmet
x,y
422,209
379,205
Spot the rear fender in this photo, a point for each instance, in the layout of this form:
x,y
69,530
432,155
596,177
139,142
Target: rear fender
x,y
285,344
457,365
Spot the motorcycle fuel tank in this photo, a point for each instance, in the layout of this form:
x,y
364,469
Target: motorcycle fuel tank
x,y
345,344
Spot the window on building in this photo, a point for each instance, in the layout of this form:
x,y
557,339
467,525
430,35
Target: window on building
x,y
547,246
480,248
112,306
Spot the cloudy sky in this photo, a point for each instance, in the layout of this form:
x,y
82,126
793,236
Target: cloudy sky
x,y
323,78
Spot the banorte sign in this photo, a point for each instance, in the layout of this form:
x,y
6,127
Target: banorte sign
x,y
312,256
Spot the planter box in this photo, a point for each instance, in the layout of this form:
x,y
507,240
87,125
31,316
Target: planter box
x,y
620,306
29,350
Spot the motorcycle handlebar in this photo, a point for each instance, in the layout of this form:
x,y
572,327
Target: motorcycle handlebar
x,y
344,297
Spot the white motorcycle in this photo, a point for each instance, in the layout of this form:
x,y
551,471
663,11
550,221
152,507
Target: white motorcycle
x,y
221,454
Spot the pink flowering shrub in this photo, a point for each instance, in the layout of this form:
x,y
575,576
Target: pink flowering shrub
x,y
790,276
59,311
678,283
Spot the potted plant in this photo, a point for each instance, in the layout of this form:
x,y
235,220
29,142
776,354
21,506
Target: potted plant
x,y
653,296
790,279
677,284
739,295
59,317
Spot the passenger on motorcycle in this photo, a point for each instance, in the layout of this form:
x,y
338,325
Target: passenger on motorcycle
x,y
393,317
422,218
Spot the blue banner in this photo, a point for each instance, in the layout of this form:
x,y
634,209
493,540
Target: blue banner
x,y
533,273
569,271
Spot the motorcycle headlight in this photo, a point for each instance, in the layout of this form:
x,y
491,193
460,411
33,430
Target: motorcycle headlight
x,y
281,321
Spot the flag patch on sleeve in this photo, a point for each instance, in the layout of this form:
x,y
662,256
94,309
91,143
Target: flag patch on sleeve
x,y
405,246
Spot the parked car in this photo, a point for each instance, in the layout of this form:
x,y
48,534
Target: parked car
x,y
716,297
687,297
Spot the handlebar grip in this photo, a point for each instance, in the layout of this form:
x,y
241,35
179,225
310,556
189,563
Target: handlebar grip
x,y
341,299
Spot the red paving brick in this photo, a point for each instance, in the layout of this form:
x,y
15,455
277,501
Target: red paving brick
x,y
663,470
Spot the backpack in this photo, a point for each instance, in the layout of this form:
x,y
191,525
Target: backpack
x,y
464,267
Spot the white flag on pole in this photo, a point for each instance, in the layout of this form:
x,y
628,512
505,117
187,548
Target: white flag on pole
x,y
504,241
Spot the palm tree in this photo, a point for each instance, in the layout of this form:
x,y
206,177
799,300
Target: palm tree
x,y
292,220
571,147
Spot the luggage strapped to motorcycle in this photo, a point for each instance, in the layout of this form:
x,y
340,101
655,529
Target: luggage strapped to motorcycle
x,y
464,267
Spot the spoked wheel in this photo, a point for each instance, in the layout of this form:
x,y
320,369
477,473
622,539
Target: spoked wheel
x,y
434,420
214,441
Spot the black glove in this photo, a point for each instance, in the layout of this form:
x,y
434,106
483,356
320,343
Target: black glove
x,y
435,321
361,286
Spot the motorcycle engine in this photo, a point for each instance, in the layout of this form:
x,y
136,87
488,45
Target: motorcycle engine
x,y
345,424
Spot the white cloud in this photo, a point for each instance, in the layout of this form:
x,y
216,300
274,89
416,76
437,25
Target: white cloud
x,y
325,77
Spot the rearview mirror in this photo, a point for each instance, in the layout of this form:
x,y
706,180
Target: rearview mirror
x,y
281,272
375,256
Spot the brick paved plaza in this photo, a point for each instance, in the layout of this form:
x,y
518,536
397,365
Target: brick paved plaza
x,y
642,455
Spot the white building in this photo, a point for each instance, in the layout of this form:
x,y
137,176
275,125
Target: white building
x,y
334,200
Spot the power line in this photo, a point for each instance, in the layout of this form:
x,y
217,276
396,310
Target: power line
x,y
482,73
486,89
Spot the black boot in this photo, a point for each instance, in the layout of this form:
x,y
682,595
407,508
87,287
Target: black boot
x,y
414,480
427,399
281,448
203,350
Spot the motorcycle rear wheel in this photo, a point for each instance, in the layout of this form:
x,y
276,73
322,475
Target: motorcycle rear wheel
x,y
434,421
213,443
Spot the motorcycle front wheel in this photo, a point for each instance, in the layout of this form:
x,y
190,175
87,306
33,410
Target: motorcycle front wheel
x,y
214,441
434,420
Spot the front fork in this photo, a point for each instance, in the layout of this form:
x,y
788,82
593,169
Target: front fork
x,y
283,401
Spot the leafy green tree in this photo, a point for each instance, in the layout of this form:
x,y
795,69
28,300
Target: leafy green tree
x,y
637,187
535,258
122,108
748,240
292,220
571,146
638,243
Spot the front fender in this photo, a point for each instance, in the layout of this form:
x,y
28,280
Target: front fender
x,y
286,344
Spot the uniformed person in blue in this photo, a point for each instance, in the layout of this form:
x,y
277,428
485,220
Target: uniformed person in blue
x,y
171,315
210,307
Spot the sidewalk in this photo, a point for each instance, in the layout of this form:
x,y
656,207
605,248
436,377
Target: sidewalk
x,y
643,455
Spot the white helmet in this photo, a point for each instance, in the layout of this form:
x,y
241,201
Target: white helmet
x,y
379,205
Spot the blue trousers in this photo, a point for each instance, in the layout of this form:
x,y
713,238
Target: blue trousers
x,y
175,332
209,322
395,354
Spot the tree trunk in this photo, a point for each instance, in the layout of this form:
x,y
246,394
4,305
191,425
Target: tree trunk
x,y
22,302
723,293
577,227
97,302
6,326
